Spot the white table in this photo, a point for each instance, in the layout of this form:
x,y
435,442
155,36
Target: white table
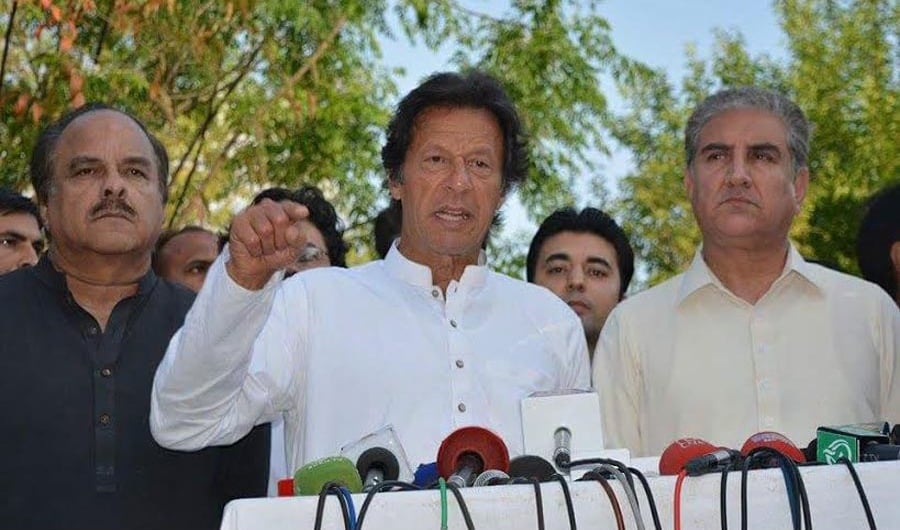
x,y
833,499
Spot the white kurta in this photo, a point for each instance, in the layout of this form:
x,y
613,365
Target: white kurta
x,y
343,352
689,358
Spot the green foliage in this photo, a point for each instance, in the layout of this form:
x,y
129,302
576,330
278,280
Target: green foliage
x,y
842,70
248,94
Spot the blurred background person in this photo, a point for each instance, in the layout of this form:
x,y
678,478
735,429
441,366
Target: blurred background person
x,y
183,256
878,243
21,241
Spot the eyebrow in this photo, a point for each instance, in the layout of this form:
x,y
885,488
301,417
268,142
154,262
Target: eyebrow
x,y
18,236
562,256
90,160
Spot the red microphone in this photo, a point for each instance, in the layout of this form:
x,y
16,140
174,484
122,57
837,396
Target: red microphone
x,y
680,452
468,451
776,442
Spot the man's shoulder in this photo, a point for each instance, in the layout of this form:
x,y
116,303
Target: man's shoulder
x,y
19,285
528,296
850,289
661,297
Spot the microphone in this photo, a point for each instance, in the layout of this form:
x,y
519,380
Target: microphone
x,y
524,466
775,441
856,443
491,477
679,452
562,447
531,466
468,451
375,465
310,478
711,461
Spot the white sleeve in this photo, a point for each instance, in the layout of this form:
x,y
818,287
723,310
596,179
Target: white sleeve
x,y
233,364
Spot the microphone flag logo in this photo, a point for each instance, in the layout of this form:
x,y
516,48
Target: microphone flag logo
x,y
837,447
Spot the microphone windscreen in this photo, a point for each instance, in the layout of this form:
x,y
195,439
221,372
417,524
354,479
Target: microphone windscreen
x,y
673,459
378,458
309,479
531,466
775,441
475,440
426,475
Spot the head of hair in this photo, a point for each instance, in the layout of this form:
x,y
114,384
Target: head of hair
x,y
169,235
14,202
587,221
879,230
472,89
321,214
387,227
750,97
45,149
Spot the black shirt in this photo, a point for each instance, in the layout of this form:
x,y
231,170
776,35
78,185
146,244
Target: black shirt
x,y
75,444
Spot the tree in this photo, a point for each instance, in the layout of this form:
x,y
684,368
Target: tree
x,y
253,93
842,70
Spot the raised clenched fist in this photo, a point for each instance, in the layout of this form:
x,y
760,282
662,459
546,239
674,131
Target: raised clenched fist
x,y
265,238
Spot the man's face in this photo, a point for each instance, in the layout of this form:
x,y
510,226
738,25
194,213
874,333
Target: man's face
x,y
583,270
451,183
186,258
314,254
740,181
104,195
20,241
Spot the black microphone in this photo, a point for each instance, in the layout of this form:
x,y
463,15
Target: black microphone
x,y
856,443
531,466
375,465
711,461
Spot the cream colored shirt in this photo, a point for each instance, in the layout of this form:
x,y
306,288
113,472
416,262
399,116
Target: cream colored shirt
x,y
689,358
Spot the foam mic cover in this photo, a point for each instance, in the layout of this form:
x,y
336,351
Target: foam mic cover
x,y
679,452
775,441
378,459
531,466
472,443
309,479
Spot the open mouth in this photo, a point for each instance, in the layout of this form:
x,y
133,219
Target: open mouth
x,y
453,215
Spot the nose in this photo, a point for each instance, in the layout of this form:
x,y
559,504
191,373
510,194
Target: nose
x,y
459,178
27,256
114,184
575,279
738,173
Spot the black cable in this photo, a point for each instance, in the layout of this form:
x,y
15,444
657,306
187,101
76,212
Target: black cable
x,y
723,494
331,488
804,498
462,506
387,484
649,493
622,467
570,508
538,501
792,478
859,489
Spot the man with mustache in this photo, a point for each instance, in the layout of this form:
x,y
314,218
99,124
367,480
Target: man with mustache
x,y
751,337
83,332
427,340
586,260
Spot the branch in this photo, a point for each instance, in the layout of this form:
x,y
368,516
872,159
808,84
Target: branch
x,y
103,31
201,132
6,39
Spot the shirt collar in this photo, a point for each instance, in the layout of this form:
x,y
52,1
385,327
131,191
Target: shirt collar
x,y
47,273
698,274
404,269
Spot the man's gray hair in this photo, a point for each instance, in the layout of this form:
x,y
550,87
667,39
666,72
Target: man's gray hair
x,y
750,97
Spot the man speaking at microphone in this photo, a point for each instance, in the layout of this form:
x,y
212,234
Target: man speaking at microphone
x,y
751,337
427,339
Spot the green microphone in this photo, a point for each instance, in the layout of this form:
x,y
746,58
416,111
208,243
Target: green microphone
x,y
309,479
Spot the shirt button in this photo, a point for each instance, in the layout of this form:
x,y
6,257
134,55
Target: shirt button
x,y
435,293
105,419
453,323
106,372
93,330
461,407
460,363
